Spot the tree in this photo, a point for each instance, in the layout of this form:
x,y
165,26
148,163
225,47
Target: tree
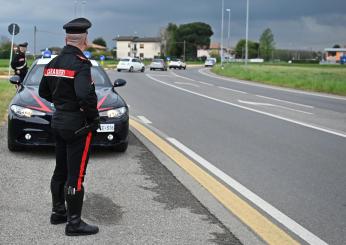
x,y
252,49
336,46
5,49
100,41
169,37
195,35
267,44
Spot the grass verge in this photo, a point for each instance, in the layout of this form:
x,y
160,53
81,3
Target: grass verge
x,y
317,78
7,91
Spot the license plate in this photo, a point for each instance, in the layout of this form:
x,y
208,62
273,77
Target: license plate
x,y
106,128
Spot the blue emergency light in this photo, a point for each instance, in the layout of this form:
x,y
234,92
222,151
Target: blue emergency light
x,y
47,53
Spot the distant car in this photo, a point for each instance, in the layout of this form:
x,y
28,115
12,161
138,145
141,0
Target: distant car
x,y
210,62
158,64
130,64
29,115
177,64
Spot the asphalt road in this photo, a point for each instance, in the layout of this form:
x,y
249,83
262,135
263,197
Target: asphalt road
x,y
286,146
132,197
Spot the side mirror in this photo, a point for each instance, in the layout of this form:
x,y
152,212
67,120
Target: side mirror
x,y
15,80
119,83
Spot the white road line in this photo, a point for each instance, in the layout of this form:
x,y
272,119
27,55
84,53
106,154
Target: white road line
x,y
159,75
208,84
234,90
248,194
202,71
187,78
289,102
144,119
330,131
190,84
279,106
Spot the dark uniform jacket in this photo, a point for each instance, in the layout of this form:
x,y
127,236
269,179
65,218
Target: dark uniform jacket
x,y
67,83
19,65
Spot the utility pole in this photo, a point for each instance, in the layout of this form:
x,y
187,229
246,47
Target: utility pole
x,y
221,52
184,50
83,8
229,29
35,31
75,8
247,33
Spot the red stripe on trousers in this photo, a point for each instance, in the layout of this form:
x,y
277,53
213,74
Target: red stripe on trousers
x,y
82,165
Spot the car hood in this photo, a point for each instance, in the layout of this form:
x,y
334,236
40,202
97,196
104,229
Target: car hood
x,y
107,99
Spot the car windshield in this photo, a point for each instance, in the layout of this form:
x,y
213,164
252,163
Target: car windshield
x,y
159,61
98,75
125,60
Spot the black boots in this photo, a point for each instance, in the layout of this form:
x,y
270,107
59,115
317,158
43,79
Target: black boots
x,y
75,225
59,215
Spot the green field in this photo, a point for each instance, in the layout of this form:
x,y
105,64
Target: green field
x,y
318,78
7,91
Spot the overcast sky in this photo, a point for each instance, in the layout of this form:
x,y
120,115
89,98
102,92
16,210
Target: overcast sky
x,y
303,24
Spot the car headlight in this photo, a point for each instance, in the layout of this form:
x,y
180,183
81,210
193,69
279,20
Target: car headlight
x,y
25,112
115,113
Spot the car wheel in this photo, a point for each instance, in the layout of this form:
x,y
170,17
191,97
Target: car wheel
x,y
119,70
131,69
185,68
122,147
143,69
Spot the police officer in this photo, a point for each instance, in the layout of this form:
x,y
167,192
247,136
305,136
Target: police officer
x,y
18,62
67,83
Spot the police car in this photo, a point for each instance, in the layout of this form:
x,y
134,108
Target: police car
x,y
29,116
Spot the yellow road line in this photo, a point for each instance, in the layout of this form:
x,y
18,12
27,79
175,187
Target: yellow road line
x,y
257,222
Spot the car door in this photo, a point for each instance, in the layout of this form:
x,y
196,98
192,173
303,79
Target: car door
x,y
135,64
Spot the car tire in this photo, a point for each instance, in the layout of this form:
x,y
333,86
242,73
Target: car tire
x,y
122,147
185,68
131,69
119,70
143,69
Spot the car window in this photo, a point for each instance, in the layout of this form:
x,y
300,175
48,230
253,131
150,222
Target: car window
x,y
125,60
98,75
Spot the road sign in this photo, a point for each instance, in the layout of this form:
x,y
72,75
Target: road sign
x,y
13,29
102,57
87,54
168,58
343,60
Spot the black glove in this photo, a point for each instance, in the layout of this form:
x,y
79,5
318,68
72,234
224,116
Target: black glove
x,y
91,126
94,124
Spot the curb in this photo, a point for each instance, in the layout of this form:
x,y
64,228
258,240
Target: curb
x,y
232,223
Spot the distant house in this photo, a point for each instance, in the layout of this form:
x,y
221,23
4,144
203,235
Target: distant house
x,y
142,47
96,47
333,55
213,50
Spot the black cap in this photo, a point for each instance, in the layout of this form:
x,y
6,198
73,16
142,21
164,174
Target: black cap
x,y
76,26
25,44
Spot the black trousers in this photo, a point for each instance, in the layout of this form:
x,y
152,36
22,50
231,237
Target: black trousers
x,y
72,156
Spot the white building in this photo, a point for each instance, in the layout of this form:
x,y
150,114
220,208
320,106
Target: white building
x,y
145,47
